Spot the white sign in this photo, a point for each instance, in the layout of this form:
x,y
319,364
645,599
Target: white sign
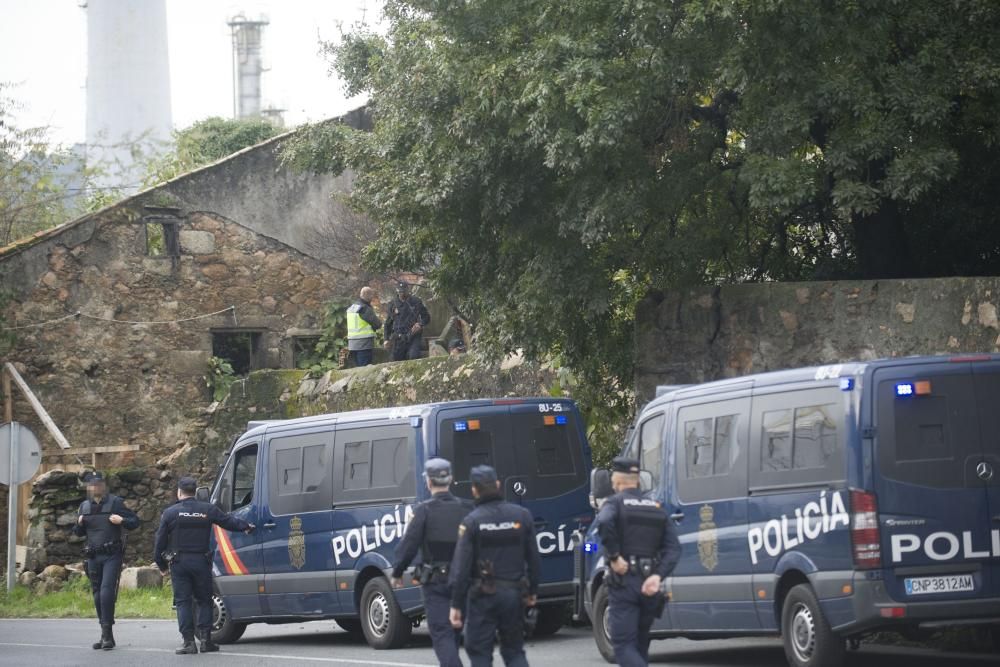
x,y
29,454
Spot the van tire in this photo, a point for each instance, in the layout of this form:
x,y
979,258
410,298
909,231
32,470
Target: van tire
x,y
384,624
599,625
224,629
805,632
551,618
351,626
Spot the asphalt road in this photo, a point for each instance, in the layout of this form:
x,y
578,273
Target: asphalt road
x,y
67,642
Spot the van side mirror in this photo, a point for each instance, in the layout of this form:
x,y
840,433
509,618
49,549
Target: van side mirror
x,y
645,481
600,486
202,493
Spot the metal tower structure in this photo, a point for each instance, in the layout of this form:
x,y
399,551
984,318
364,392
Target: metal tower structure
x,y
247,65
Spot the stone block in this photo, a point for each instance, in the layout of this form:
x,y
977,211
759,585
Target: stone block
x,y
27,578
158,266
57,572
141,577
189,362
197,243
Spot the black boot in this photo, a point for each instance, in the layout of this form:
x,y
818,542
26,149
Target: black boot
x,y
207,645
189,648
99,644
107,639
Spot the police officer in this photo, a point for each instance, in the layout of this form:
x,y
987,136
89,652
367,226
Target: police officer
x,y
641,547
404,322
103,519
433,531
183,542
361,325
496,565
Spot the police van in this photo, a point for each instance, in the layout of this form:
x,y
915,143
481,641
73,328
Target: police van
x,y
331,496
823,504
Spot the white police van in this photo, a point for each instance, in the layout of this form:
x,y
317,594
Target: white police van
x,y
823,504
331,496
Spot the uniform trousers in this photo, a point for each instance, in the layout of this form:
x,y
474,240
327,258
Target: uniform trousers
x,y
437,605
103,571
501,611
631,617
191,576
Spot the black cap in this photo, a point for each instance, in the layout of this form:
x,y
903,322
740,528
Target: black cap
x,y
187,484
93,477
625,464
402,286
483,475
438,470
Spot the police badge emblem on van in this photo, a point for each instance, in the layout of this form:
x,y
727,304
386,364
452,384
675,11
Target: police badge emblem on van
x,y
708,538
296,543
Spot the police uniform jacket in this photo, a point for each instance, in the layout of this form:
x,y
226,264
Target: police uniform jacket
x,y
403,315
630,524
97,524
186,527
432,531
499,532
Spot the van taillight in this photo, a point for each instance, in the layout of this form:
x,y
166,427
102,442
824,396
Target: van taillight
x,y
864,530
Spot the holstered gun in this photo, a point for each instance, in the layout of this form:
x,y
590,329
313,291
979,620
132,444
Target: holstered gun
x,y
487,580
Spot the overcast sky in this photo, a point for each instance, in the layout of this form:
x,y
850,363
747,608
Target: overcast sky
x,y
43,47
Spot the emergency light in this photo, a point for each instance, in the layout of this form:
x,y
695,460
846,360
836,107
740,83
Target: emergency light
x,y
919,388
904,389
552,420
589,547
470,425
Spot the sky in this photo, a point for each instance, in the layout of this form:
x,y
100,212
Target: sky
x,y
43,49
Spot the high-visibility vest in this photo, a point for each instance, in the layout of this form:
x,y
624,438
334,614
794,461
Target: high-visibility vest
x,y
357,327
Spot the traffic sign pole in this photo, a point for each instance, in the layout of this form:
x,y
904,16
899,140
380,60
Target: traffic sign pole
x,y
12,493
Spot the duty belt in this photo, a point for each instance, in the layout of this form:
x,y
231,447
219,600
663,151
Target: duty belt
x,y
101,549
503,583
642,566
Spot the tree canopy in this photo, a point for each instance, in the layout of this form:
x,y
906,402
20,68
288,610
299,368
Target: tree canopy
x,y
205,142
545,162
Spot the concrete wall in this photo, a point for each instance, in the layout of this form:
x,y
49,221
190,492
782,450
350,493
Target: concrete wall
x,y
710,333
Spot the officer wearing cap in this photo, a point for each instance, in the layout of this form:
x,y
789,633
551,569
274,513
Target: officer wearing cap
x,y
433,531
103,518
496,565
183,541
641,547
404,322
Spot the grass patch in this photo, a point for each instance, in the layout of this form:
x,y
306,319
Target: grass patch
x,y
76,601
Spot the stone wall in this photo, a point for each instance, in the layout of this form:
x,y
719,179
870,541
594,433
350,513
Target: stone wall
x,y
710,333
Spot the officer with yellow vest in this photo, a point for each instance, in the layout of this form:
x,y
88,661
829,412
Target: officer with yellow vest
x,y
361,325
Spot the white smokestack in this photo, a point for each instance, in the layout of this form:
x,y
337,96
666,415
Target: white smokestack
x,y
128,84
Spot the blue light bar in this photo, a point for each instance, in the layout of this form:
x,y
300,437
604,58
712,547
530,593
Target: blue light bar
x,y
461,426
561,419
904,389
589,547
846,384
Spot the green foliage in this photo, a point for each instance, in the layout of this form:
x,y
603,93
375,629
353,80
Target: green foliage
x,y
76,601
545,163
207,141
7,337
220,377
326,353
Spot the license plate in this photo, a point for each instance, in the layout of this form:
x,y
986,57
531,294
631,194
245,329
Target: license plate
x,y
955,583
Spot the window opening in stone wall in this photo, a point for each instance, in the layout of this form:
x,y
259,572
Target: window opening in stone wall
x,y
162,225
242,349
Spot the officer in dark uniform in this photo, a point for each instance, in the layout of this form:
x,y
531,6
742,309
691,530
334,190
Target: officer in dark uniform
x,y
496,565
641,548
183,541
433,531
103,519
404,323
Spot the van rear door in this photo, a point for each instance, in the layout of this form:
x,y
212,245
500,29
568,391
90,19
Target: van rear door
x,y
987,376
933,507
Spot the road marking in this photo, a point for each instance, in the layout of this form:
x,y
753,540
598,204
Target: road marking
x,y
226,654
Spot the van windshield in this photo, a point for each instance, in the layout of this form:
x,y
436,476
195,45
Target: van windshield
x,y
543,451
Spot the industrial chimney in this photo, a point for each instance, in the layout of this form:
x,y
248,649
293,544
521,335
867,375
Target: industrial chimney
x,y
247,65
128,86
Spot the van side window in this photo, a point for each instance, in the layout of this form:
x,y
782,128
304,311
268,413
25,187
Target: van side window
x,y
709,445
651,447
300,473
236,486
375,463
712,449
799,438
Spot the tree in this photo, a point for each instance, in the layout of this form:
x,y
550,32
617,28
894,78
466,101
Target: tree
x,y
548,162
205,142
41,185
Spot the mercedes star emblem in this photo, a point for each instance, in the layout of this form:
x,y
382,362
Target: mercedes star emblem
x,y
985,471
519,488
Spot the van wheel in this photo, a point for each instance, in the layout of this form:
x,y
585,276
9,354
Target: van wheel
x,y
382,621
224,629
551,618
808,639
601,625
351,626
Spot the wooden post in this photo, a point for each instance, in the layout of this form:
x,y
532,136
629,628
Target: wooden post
x,y
8,398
